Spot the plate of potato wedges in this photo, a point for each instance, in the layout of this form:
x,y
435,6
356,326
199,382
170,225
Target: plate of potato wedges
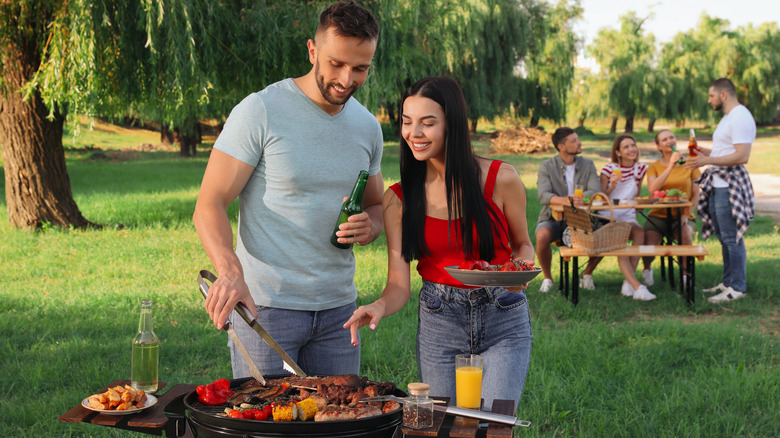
x,y
119,400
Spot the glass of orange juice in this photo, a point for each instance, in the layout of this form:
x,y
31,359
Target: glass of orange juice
x,y
468,380
578,190
619,173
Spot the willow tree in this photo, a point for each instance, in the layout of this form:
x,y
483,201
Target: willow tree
x,y
174,61
494,37
37,187
625,57
550,60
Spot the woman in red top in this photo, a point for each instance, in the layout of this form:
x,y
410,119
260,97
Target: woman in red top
x,y
452,206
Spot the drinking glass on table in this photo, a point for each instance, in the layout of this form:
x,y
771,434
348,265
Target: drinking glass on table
x,y
578,190
468,380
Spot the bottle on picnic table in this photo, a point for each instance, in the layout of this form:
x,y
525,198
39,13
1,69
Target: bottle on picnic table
x,y
145,359
353,205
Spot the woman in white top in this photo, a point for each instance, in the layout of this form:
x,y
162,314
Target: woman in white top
x,y
622,180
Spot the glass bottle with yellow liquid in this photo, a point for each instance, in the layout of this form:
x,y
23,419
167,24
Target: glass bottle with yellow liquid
x,y
145,360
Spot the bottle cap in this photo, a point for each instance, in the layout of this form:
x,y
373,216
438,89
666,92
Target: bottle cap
x,y
417,388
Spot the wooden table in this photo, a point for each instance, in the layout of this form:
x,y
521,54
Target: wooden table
x,y
690,252
667,268
152,421
446,426
167,418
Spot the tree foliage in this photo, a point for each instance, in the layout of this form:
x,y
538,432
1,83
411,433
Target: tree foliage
x,y
551,58
673,82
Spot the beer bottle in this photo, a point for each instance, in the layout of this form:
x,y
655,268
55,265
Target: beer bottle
x,y
353,205
681,160
146,352
692,145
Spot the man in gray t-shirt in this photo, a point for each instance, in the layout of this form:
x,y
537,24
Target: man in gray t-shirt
x,y
291,153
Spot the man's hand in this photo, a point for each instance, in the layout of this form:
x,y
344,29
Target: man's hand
x,y
223,296
696,162
357,229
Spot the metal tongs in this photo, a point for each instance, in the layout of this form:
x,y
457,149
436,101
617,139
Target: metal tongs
x,y
453,410
242,310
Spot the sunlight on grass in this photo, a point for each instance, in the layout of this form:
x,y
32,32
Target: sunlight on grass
x,y
610,366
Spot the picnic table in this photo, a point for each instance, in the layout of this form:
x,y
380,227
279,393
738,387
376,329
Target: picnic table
x,y
689,253
167,418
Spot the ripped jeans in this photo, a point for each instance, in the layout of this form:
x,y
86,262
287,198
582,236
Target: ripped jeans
x,y
488,321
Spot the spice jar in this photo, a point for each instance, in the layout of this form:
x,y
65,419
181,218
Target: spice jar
x,y
418,408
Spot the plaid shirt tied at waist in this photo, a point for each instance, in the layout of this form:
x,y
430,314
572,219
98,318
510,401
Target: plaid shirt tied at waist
x,y
740,197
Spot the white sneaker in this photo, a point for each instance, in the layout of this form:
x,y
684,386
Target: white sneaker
x,y
728,294
712,290
627,289
547,285
643,294
586,282
647,275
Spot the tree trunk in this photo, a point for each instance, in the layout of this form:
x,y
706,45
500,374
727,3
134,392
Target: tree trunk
x,y
166,136
651,125
474,125
534,121
613,127
37,187
629,124
187,140
581,122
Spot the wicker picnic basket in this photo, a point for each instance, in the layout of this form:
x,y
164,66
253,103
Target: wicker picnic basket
x,y
613,235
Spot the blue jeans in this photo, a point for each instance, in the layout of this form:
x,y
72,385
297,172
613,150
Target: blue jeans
x,y
489,321
316,341
734,253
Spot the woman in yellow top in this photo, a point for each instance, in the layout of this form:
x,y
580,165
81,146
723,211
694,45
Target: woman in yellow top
x,y
666,174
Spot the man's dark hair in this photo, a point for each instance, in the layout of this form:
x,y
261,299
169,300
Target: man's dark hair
x,y
724,84
349,19
560,134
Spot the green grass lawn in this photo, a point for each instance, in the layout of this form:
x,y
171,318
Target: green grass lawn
x,y
610,366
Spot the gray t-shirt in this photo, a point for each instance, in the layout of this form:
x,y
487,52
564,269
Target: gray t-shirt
x,y
306,161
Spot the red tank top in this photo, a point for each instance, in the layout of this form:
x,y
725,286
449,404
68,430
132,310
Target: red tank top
x,y
443,253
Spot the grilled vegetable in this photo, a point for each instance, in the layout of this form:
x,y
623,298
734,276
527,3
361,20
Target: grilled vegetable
x,y
306,409
285,411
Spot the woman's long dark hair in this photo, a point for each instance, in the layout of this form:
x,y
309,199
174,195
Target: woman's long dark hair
x,y
465,197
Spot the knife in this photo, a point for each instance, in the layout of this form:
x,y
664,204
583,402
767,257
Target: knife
x,y
253,370
242,310
452,410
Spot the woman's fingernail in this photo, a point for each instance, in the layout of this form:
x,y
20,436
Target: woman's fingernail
x,y
372,326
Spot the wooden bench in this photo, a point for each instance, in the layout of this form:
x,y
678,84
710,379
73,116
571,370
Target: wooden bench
x,y
691,252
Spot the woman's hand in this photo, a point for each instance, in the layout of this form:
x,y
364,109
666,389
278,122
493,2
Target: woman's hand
x,y
530,264
365,315
676,157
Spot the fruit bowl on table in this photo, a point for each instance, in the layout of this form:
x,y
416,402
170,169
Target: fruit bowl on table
x,y
647,200
476,277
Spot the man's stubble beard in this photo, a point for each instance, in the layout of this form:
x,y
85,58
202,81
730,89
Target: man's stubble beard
x,y
325,88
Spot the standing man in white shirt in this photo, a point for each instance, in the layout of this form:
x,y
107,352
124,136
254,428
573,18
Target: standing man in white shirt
x,y
726,199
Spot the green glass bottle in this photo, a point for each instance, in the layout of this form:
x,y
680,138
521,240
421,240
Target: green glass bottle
x,y
353,205
146,352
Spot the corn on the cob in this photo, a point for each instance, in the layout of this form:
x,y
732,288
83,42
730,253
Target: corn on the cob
x,y
306,409
285,411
